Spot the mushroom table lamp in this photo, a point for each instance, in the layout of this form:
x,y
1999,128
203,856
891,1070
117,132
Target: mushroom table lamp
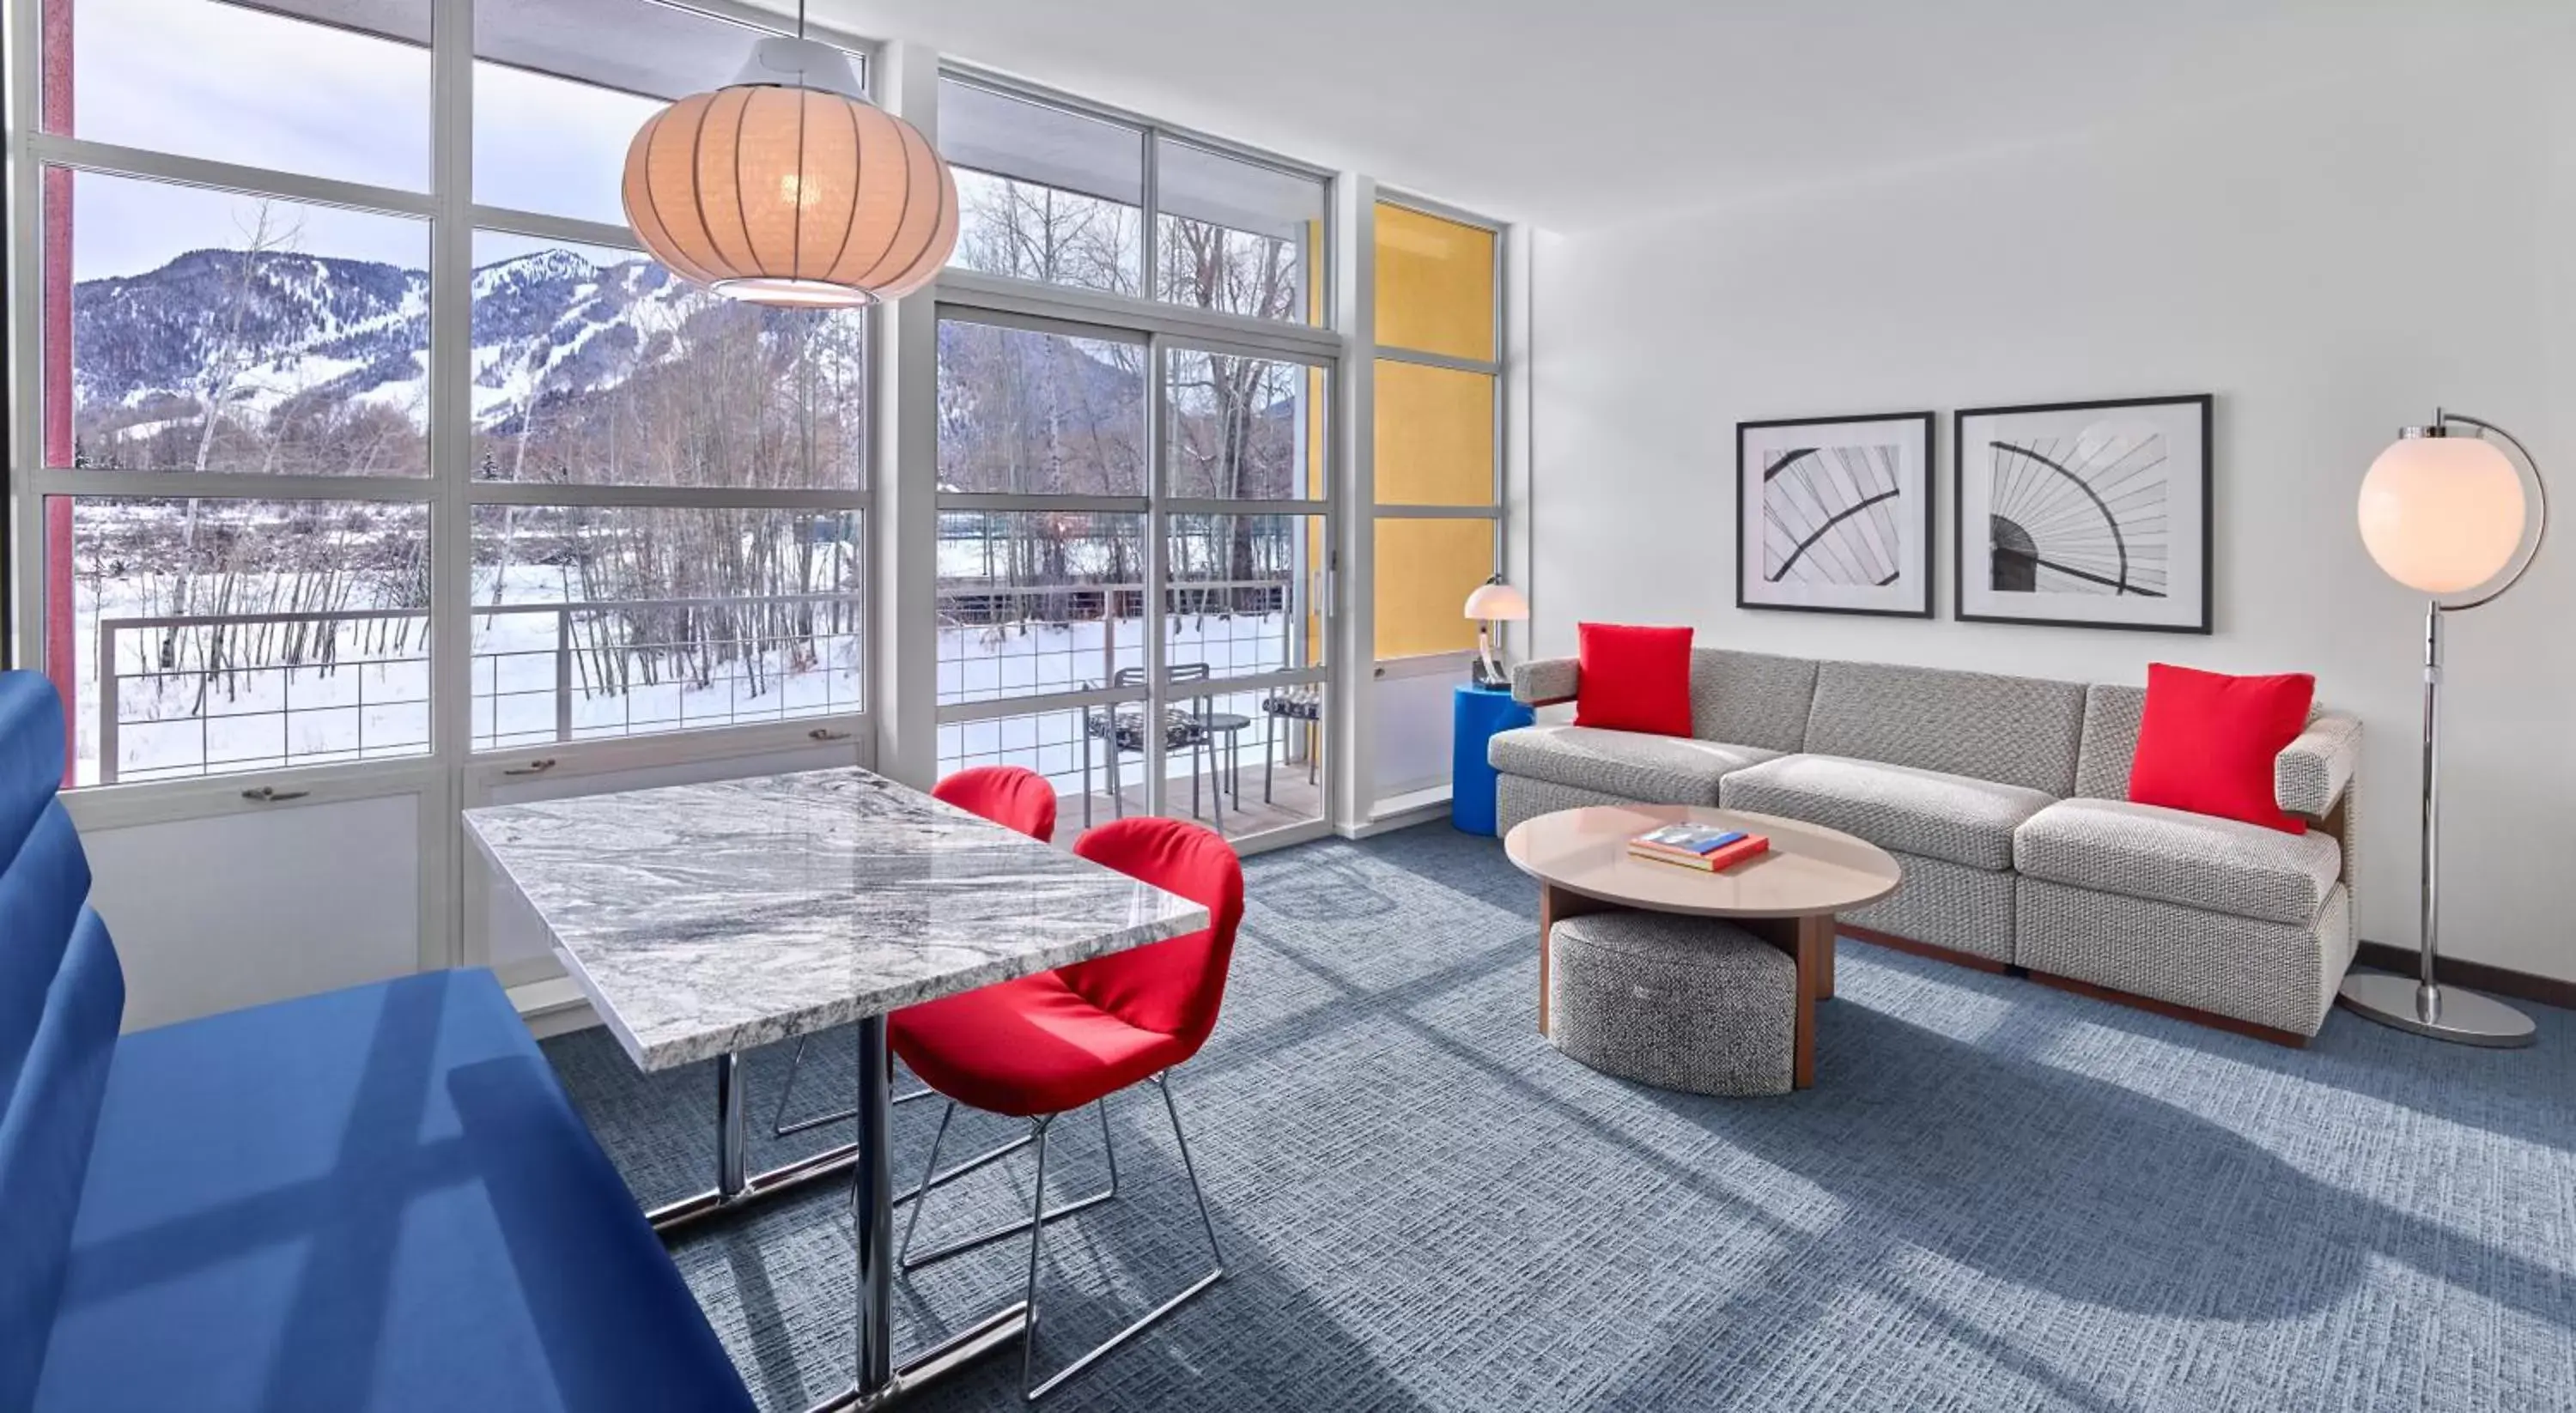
x,y
2444,514
1494,602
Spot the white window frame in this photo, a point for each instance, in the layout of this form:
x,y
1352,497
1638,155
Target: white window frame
x,y
450,775
1143,309
897,721
453,219
1160,326
1155,508
1441,663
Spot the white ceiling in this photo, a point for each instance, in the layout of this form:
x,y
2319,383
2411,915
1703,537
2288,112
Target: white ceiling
x,y
1587,112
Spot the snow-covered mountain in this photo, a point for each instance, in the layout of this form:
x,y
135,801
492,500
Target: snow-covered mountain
x,y
322,364
271,331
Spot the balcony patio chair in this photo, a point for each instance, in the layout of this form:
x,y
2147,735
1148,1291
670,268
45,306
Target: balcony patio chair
x,y
1123,728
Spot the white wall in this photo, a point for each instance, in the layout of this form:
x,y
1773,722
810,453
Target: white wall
x,y
212,914
2330,262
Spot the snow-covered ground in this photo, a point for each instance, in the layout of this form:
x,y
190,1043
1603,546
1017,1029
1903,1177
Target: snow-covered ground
x,y
373,701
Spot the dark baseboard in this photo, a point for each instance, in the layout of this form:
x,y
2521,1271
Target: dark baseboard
x,y
2476,976
1893,942
2214,1021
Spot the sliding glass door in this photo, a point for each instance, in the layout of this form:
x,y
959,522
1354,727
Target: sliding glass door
x,y
1246,532
1133,553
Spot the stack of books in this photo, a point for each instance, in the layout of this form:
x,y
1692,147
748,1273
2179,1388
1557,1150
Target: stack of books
x,y
1701,846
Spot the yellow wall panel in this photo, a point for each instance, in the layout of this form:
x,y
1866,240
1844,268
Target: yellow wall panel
x,y
1435,435
1425,570
1435,284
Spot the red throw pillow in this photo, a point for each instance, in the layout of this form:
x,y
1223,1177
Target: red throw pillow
x,y
1633,679
2207,741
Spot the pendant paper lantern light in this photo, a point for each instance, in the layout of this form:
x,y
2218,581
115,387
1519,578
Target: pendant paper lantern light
x,y
787,188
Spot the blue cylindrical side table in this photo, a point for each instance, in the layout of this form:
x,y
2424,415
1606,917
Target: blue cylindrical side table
x,y
1476,714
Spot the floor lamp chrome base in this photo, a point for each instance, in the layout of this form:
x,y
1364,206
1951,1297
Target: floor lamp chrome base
x,y
2442,1012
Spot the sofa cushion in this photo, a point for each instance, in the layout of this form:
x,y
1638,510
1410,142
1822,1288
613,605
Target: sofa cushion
x,y
2279,975
2198,860
1663,770
1925,812
2017,730
375,1200
2111,719
1754,698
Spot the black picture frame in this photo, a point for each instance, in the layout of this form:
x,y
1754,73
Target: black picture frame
x,y
1965,496
1746,546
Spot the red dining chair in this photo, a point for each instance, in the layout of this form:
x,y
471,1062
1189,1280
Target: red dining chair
x,y
1005,794
1045,1045
1009,796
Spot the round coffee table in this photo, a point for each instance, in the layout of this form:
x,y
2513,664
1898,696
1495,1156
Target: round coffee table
x,y
1787,897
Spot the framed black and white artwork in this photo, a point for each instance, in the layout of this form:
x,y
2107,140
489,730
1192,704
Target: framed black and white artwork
x,y
2085,514
1834,514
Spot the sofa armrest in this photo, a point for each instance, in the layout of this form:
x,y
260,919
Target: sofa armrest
x,y
2310,773
1546,682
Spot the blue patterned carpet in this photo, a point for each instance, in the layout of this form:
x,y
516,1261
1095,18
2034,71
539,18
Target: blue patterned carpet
x,y
1997,1197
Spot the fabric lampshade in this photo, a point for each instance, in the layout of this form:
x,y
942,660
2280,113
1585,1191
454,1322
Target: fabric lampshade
x,y
789,192
2442,514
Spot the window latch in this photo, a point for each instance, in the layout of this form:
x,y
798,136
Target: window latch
x,y
538,766
271,795
825,733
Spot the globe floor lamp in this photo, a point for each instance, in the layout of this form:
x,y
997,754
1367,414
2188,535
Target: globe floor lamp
x,y
2443,514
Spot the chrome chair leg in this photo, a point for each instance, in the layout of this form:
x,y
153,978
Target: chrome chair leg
x,y
1037,1236
1189,1170
779,1127
921,1194
1029,1337
906,1261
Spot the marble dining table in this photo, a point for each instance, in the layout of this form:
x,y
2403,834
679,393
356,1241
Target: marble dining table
x,y
706,920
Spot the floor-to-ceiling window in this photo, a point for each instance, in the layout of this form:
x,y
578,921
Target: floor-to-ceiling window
x,y
375,471
281,447
1134,513
372,471
1437,510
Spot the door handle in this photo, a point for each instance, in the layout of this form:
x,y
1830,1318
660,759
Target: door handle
x,y
271,795
538,766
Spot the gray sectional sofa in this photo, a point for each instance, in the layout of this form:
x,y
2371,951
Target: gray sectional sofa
x,y
2004,798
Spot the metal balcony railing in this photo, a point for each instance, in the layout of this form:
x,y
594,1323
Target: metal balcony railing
x,y
1238,627
202,694
183,695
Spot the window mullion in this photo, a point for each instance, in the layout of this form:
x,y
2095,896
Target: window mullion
x,y
115,159
1149,276
542,226
451,414
551,493
1158,569
229,485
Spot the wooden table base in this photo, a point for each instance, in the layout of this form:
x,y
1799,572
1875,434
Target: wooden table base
x,y
1809,941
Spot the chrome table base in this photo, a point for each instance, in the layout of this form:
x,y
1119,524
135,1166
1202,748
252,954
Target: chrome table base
x,y
736,1186
880,1381
2442,1012
995,1332
779,1127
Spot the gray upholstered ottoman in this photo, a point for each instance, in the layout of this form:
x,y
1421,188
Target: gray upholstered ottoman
x,y
1687,1003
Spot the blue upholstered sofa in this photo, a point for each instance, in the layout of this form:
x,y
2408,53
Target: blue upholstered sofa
x,y
375,1199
